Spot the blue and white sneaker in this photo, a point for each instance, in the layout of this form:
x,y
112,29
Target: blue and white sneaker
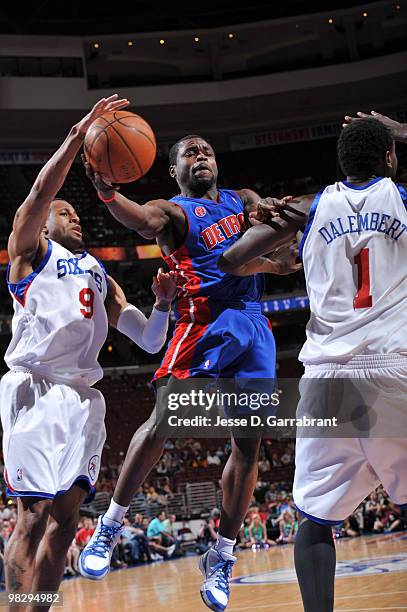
x,y
94,561
216,568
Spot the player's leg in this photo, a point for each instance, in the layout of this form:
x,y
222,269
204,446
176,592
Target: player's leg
x,y
249,359
21,549
59,533
238,482
144,451
315,560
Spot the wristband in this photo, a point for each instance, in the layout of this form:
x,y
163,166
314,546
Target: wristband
x,y
107,200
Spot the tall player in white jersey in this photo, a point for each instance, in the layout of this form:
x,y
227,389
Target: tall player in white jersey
x,y
52,418
354,251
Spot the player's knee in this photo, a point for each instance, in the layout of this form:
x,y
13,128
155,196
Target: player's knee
x,y
61,532
32,522
246,451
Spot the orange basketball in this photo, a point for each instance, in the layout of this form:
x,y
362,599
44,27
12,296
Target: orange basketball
x,y
121,146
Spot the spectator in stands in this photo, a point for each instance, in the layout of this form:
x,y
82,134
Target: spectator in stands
x,y
245,538
161,469
152,495
169,525
345,530
72,557
85,532
287,528
275,460
253,510
287,457
388,517
160,541
264,466
258,533
212,459
220,453
134,541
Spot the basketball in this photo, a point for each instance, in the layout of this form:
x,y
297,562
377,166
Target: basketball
x,y
121,146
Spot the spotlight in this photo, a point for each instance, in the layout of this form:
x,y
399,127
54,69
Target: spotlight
x,y
130,43
162,41
96,45
365,14
231,35
330,20
196,39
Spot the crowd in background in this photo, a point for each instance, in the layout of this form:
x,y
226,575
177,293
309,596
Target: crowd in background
x,y
272,519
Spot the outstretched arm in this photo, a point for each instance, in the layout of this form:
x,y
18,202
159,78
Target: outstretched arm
x,y
32,214
147,220
261,239
149,334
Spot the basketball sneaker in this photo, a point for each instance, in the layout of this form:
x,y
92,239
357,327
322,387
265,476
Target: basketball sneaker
x,y
94,561
216,568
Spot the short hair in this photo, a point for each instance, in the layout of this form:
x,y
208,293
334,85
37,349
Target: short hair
x,y
362,147
173,152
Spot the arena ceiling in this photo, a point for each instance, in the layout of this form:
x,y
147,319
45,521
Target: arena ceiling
x,y
84,18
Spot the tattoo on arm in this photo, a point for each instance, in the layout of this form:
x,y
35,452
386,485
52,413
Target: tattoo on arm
x,y
14,573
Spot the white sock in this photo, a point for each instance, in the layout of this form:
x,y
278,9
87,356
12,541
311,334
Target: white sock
x,y
115,513
224,545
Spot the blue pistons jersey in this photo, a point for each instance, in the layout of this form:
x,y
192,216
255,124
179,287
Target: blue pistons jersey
x,y
220,331
212,228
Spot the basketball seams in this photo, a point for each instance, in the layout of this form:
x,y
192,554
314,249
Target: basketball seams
x,y
98,129
128,148
101,130
108,158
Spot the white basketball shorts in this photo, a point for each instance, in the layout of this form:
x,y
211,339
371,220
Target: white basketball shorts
x,y
334,475
53,435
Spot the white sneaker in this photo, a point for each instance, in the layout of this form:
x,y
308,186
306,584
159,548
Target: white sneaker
x,y
216,568
170,551
94,561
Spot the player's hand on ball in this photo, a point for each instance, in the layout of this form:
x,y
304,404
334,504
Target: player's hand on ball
x,y
267,209
100,183
397,129
105,105
164,287
286,259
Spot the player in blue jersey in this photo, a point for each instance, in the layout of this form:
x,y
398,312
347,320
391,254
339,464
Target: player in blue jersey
x,y
220,333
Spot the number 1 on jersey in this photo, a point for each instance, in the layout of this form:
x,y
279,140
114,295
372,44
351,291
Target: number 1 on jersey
x,y
363,299
86,298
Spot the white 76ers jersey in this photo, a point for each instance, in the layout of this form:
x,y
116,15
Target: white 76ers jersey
x,y
354,251
60,321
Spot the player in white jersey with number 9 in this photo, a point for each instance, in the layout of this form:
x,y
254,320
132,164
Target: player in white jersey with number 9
x,y
354,251
52,418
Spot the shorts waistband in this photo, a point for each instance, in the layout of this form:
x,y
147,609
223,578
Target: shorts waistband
x,y
20,369
249,306
58,380
364,362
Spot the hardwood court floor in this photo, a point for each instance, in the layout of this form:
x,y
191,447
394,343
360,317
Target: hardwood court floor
x,y
372,577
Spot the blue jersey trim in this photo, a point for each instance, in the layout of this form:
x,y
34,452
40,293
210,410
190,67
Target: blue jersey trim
x,y
102,268
42,494
318,520
310,221
359,188
403,193
233,194
19,290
